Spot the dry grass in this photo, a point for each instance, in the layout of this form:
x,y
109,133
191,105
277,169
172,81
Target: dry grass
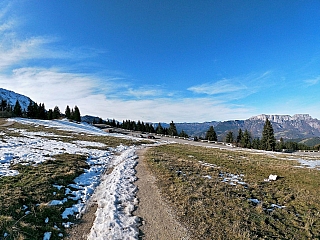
x,y
33,187
213,209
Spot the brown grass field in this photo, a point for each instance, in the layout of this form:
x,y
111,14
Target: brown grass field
x,y
213,209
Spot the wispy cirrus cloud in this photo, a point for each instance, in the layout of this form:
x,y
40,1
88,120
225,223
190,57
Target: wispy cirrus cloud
x,y
220,87
312,81
233,88
144,92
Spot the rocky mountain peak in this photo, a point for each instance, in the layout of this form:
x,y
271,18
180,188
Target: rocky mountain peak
x,y
282,118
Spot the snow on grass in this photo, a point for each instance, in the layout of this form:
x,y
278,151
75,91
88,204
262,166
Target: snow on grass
x,y
310,163
116,193
116,200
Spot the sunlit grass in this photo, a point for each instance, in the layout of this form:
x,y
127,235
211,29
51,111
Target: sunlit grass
x,y
24,198
213,209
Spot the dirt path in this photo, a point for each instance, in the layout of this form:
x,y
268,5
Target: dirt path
x,y
158,222
82,229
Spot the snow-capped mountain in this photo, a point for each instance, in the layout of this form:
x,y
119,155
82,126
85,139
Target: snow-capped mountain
x,y
11,98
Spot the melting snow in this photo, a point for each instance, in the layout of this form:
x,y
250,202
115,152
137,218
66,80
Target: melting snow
x,y
233,179
116,194
116,200
310,163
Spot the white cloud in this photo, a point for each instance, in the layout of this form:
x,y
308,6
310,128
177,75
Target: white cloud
x,y
143,92
312,81
222,86
59,88
105,96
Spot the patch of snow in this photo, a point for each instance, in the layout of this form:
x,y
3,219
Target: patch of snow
x,y
277,206
254,200
232,179
58,202
89,144
205,164
47,236
207,176
67,224
309,163
116,200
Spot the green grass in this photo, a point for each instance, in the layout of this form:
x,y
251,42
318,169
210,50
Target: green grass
x,y
212,209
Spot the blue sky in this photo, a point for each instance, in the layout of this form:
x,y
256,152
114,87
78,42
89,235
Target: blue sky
x,y
186,61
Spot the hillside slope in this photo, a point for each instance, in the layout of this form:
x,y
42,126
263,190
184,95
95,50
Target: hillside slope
x,y
11,97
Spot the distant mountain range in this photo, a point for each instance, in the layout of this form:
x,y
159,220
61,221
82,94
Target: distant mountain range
x,y
11,98
297,127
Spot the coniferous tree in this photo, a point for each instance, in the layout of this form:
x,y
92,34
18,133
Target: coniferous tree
x,y
239,137
159,129
17,111
256,143
68,112
139,126
246,139
211,134
183,134
268,141
229,137
3,105
56,113
41,112
172,130
77,116
50,114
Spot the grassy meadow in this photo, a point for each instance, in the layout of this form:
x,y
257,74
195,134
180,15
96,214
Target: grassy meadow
x,y
196,183
25,198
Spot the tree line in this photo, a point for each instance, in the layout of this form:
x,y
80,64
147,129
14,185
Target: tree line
x,y
267,142
243,139
145,127
37,111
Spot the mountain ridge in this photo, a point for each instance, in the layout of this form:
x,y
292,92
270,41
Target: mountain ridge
x,y
298,126
11,97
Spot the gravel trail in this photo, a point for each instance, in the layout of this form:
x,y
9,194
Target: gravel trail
x,y
158,221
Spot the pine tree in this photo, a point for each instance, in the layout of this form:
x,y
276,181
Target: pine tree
x,y
183,134
256,143
211,134
56,113
239,137
3,105
68,112
268,141
229,137
76,115
246,139
159,129
41,114
17,111
50,114
172,130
